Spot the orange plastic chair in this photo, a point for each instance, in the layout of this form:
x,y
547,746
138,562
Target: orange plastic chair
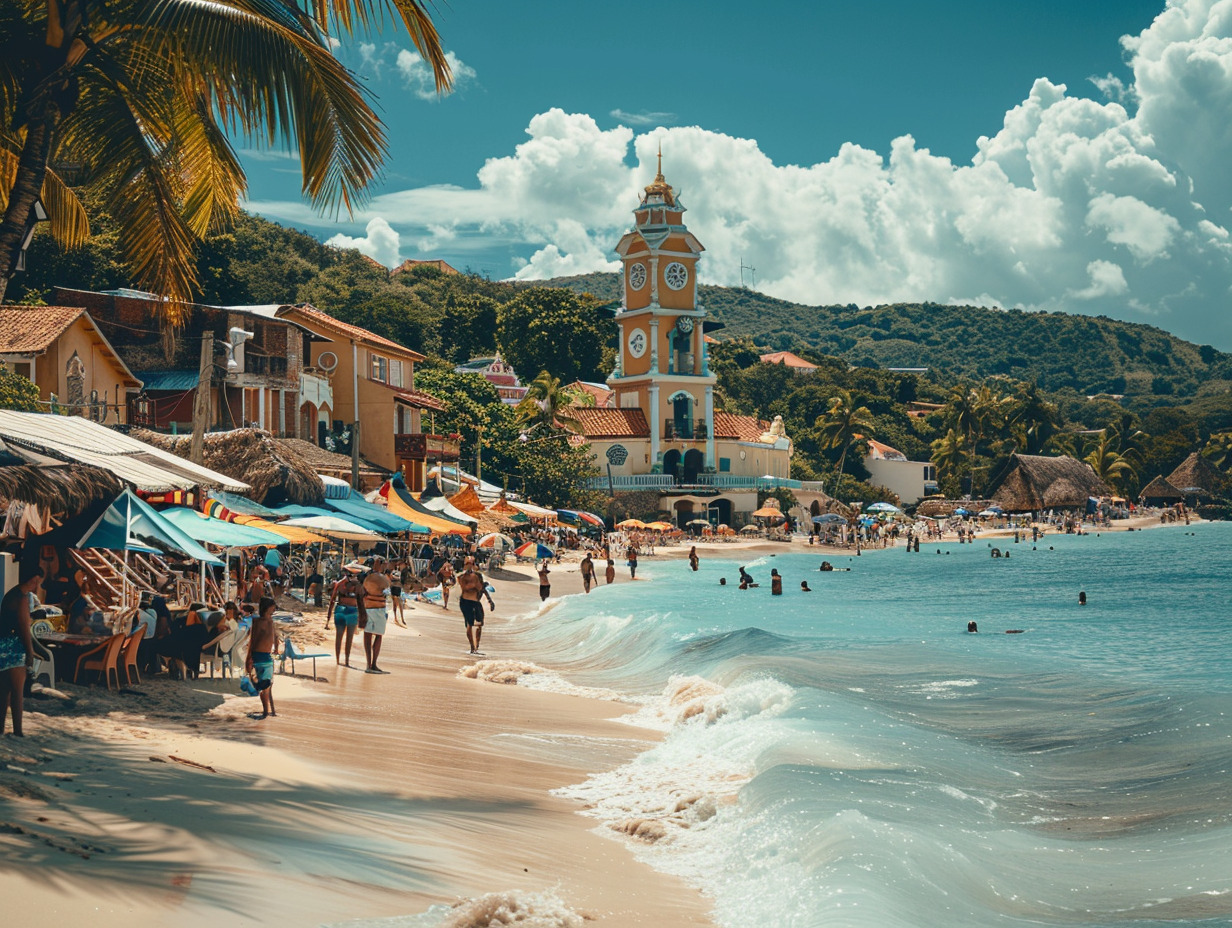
x,y
128,657
107,664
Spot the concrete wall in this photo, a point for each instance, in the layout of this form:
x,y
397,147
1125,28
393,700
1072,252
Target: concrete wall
x,y
906,479
99,371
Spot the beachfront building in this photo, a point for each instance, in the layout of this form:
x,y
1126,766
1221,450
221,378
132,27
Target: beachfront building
x,y
789,359
888,467
372,380
258,361
62,351
663,432
500,374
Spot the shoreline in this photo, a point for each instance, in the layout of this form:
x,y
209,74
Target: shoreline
x,y
369,797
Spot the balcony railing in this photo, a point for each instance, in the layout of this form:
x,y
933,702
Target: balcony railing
x,y
424,446
703,482
684,431
264,364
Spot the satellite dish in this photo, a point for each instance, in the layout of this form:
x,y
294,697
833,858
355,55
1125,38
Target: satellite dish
x,y
327,361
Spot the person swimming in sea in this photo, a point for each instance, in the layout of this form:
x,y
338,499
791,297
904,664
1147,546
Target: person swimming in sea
x,y
804,587
1082,598
972,628
745,576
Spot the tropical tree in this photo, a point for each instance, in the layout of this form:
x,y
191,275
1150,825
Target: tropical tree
x,y
1219,449
545,406
134,100
1106,459
947,457
843,424
546,328
1033,420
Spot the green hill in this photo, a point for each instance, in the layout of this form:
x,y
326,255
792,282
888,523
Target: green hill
x,y
1088,354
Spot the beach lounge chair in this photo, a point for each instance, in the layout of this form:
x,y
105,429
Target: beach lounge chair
x,y
103,659
218,651
290,654
128,656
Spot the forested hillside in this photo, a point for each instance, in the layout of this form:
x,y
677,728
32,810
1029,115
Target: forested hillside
x,y
1055,350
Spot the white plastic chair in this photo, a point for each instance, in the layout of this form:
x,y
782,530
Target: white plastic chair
x,y
239,651
218,651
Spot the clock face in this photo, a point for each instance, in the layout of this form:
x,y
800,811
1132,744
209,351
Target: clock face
x,y
637,276
637,342
676,275
684,324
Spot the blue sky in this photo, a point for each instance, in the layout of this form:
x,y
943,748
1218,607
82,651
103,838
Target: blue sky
x,y
835,146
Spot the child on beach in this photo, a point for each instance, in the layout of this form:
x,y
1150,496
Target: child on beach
x,y
610,574
260,661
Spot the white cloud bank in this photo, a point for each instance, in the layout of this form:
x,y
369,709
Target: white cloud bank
x,y
381,242
1074,204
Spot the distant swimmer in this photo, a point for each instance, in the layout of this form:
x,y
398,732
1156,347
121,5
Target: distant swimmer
x,y
996,552
745,576
826,565
972,627
1082,598
693,557
722,581
776,583
1013,631
804,587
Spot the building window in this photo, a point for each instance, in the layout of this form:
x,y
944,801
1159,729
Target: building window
x,y
395,373
380,369
22,369
724,465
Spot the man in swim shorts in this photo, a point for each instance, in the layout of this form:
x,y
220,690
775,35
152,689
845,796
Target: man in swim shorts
x,y
345,603
447,579
260,662
375,584
545,584
471,586
588,572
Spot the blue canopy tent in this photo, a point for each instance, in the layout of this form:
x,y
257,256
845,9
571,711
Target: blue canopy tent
x,y
131,524
201,527
378,518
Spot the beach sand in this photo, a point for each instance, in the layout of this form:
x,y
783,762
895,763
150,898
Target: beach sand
x,y
368,796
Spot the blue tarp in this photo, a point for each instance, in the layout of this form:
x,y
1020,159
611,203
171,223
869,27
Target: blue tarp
x,y
131,524
380,519
243,505
217,532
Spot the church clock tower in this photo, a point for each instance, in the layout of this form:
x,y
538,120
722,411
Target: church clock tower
x,y
662,366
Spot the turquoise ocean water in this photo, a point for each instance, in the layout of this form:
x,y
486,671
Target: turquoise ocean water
x,y
852,757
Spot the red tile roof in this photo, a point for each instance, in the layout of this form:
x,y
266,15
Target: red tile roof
x,y
789,359
886,452
30,329
602,395
741,428
600,422
310,316
420,400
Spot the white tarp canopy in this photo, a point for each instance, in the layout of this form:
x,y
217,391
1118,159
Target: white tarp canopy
x,y
42,437
444,507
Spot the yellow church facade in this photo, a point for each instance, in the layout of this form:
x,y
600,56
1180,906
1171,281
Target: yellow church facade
x,y
664,432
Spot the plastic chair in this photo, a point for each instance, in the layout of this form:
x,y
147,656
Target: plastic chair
x,y
290,654
128,657
106,660
44,665
239,650
218,650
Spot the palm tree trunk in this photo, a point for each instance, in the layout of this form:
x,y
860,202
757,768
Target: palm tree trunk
x,y
28,184
842,459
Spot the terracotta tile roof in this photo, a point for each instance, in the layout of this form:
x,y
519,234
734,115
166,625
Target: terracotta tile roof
x,y
741,428
421,400
603,396
313,316
788,358
600,422
885,451
27,329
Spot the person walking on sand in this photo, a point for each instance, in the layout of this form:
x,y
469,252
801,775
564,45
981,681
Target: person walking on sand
x,y
447,579
375,585
16,645
259,664
693,557
588,572
345,604
545,584
471,586
610,574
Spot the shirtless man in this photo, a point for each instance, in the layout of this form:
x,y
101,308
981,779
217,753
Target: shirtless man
x,y
446,576
260,661
344,605
545,582
471,586
588,572
376,584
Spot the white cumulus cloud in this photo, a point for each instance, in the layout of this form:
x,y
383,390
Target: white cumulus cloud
x,y
382,242
1119,207
417,75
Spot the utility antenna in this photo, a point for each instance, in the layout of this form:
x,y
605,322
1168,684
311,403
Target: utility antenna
x,y
752,274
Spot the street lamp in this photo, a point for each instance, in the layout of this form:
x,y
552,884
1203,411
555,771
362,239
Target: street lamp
x,y
37,214
238,337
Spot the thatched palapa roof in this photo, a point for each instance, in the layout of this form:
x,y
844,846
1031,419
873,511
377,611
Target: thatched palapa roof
x,y
276,473
937,508
1161,489
61,491
332,464
1196,476
1032,482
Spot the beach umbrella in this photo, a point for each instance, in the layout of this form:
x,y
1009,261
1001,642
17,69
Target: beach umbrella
x,y
827,517
748,529
697,522
962,512
534,549
769,512
335,527
659,526
631,523
883,507
988,513
495,540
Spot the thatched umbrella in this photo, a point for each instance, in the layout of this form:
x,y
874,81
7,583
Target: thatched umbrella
x,y
63,490
1196,477
1160,491
275,472
1032,482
